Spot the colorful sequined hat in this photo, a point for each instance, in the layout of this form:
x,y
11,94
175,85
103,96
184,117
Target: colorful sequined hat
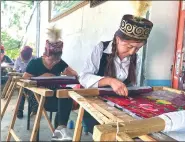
x,y
134,26
53,43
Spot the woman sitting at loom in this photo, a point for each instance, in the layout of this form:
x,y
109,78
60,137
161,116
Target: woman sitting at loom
x,y
20,66
51,64
113,63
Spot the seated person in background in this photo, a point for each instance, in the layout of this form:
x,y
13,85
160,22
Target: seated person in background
x,y
113,63
24,58
20,66
51,64
5,63
4,58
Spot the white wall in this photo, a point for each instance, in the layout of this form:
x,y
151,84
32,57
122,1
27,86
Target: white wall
x,y
84,28
161,43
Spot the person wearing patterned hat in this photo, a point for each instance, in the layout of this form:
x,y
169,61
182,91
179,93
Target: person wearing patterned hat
x,y
113,63
20,66
51,64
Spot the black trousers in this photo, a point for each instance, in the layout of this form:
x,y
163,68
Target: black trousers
x,y
62,106
89,122
32,100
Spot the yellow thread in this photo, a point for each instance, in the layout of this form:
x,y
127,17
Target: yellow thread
x,y
164,102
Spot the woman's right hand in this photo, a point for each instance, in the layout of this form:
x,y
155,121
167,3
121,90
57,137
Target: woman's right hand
x,y
118,87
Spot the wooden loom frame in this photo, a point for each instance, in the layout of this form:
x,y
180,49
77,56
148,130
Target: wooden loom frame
x,y
8,85
106,114
40,95
9,89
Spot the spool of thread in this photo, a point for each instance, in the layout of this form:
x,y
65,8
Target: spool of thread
x,y
71,124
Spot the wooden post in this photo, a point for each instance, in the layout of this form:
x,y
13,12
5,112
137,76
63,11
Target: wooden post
x,y
45,114
37,119
78,127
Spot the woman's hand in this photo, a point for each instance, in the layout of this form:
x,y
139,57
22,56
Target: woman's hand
x,y
47,75
118,87
70,72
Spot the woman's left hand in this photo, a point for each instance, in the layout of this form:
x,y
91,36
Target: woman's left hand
x,y
70,72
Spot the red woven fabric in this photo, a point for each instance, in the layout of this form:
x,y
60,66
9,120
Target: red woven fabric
x,y
142,106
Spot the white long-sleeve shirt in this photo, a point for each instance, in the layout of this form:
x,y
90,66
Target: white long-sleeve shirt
x,y
20,65
88,77
174,121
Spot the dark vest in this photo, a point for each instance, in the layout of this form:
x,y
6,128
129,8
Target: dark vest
x,y
103,62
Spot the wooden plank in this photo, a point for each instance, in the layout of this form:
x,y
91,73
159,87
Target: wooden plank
x,y
24,84
45,114
78,126
27,83
37,119
41,91
89,108
15,114
7,101
147,138
108,114
15,74
16,138
16,78
156,88
63,93
136,128
121,136
110,111
173,90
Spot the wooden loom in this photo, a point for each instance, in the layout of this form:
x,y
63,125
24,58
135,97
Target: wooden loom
x,y
40,94
9,84
106,114
8,90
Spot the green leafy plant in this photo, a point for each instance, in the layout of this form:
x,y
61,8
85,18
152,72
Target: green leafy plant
x,y
15,16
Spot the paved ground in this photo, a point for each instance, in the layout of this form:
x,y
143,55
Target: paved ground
x,y
20,125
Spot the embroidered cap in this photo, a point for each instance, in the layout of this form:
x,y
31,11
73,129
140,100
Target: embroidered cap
x,y
138,30
135,26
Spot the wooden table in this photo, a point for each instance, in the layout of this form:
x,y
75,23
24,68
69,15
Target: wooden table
x,y
106,114
40,95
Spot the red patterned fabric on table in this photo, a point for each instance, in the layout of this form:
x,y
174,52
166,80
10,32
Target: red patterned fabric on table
x,y
144,106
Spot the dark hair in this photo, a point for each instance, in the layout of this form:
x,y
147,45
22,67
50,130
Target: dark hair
x,y
110,68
